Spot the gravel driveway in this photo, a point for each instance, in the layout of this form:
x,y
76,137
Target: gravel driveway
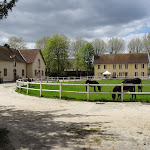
x,y
32,123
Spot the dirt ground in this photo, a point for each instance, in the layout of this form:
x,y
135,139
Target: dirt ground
x,y
32,123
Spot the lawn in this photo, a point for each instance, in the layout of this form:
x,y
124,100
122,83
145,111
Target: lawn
x,y
83,96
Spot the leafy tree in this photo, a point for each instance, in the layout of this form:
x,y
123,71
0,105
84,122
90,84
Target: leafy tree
x,y
16,43
99,46
76,44
135,46
56,53
84,57
116,45
41,44
5,7
146,42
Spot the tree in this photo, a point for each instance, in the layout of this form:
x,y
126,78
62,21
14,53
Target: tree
x,y
41,44
76,44
84,57
5,7
56,53
116,45
99,46
146,42
135,46
16,43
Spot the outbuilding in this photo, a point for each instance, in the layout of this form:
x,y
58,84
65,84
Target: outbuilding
x,y
16,64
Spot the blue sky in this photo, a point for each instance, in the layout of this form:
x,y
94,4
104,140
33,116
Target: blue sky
x,y
88,19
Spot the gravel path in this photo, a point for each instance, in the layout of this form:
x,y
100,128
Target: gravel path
x,y
32,123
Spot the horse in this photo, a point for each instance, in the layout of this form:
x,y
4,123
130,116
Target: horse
x,y
125,89
93,82
134,81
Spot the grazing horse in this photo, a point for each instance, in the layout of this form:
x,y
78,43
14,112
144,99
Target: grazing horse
x,y
125,89
134,81
93,82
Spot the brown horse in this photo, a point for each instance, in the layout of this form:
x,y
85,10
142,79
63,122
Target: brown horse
x,y
125,89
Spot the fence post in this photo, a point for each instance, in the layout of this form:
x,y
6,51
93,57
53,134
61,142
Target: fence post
x,y
121,92
16,85
60,88
27,87
19,86
40,89
88,90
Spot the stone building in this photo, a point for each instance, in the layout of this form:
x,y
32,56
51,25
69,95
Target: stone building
x,y
16,64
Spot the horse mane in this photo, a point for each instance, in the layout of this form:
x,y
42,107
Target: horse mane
x,y
117,89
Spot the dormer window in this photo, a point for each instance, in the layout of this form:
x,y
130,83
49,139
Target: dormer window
x,y
39,63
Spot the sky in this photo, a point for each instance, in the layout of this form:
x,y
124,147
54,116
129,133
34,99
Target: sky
x,y
88,19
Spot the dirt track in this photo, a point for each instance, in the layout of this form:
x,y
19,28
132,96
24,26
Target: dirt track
x,y
47,124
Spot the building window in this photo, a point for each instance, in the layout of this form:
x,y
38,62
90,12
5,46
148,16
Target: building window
x,y
39,74
120,74
142,74
5,72
126,66
142,66
126,74
39,63
105,66
136,66
42,73
114,74
35,73
120,66
22,72
98,67
136,74
114,66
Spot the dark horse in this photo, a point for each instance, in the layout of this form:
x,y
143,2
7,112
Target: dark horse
x,y
93,82
134,81
125,89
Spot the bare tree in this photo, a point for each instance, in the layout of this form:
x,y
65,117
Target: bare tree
x,y
75,45
99,46
116,45
41,44
5,7
16,43
135,45
146,42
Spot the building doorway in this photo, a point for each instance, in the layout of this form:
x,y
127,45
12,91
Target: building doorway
x,y
15,74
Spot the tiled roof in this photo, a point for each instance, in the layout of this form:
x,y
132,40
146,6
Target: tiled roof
x,y
29,55
7,54
121,58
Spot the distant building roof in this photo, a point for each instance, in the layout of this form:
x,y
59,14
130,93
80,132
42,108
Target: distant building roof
x,y
7,54
121,58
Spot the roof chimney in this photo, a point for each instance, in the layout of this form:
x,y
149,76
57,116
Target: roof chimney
x,y
6,45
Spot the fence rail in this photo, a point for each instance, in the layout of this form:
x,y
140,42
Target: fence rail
x,y
55,79
19,85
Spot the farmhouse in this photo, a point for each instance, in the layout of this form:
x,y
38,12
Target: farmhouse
x,y
122,65
16,64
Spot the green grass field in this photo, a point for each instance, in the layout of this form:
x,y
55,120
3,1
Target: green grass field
x,y
83,96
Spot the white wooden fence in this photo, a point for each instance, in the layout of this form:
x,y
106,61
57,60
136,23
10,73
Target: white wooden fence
x,y
73,78
19,85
